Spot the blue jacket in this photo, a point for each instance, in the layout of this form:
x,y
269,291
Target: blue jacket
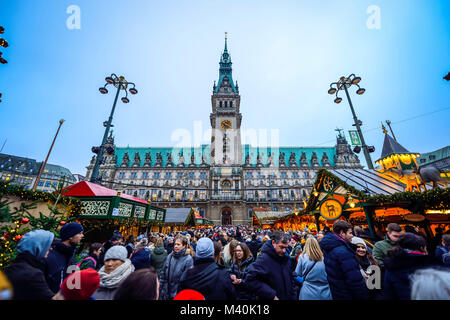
x,y
315,285
343,271
270,275
397,284
141,258
56,264
242,291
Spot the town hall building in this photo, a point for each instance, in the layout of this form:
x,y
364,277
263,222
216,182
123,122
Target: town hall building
x,y
225,179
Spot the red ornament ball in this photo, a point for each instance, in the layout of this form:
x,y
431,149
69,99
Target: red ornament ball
x,y
17,238
24,221
62,223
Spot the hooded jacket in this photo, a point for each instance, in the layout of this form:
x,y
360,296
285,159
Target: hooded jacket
x,y
176,263
270,275
158,257
398,268
343,271
56,264
210,279
26,273
381,249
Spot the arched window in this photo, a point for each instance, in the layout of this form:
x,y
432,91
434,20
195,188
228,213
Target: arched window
x,y
231,104
220,104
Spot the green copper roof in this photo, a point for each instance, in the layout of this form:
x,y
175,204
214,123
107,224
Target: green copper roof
x,y
206,150
225,70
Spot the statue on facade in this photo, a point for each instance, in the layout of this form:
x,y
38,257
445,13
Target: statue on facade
x,y
148,160
158,159
125,160
303,160
292,162
314,161
181,159
258,161
137,160
270,160
204,164
169,160
247,160
192,164
282,160
325,160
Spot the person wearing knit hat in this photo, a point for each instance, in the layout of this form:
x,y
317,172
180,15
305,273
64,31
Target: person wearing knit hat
x,y
365,260
207,277
26,272
116,269
358,240
79,285
63,255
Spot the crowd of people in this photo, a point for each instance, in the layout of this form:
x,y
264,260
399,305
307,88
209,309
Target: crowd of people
x,y
231,263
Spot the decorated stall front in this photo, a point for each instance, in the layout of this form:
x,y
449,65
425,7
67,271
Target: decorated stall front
x,y
296,221
400,191
266,219
130,215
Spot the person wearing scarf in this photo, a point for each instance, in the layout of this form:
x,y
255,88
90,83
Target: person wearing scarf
x,y
116,269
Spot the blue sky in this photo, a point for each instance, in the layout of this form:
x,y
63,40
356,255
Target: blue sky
x,y
285,54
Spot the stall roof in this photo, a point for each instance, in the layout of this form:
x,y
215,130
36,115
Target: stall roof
x,y
177,215
89,189
370,181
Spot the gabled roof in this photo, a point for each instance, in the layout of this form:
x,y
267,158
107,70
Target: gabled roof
x,y
89,189
178,215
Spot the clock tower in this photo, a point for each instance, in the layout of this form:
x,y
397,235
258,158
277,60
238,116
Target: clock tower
x,y
225,117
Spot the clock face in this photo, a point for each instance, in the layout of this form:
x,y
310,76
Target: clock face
x,y
225,124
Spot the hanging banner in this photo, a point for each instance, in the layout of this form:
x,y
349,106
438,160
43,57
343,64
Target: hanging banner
x,y
354,137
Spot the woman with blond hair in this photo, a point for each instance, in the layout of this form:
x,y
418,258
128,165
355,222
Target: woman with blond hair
x,y
311,272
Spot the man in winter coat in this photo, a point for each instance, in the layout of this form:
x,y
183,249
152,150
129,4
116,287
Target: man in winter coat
x,y
269,277
115,240
63,255
343,272
381,248
176,264
254,245
207,277
402,261
26,273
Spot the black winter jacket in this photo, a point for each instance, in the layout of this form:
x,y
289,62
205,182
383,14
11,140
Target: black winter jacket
x,y
254,247
56,265
397,284
343,271
270,275
210,279
242,292
26,275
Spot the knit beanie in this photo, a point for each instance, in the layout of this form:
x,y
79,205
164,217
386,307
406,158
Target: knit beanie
x,y
116,253
69,230
357,240
80,285
36,242
189,294
205,248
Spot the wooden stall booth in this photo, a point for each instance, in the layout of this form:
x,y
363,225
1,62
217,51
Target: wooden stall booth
x,y
372,200
265,219
130,215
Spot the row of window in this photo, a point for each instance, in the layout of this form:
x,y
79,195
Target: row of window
x,y
157,175
283,175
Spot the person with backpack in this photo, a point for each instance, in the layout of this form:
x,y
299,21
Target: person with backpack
x,y
311,270
91,261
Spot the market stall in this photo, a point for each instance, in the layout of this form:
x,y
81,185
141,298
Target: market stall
x,y
179,219
266,219
130,215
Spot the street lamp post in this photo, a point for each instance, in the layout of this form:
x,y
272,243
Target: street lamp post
x,y
343,84
48,155
121,84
